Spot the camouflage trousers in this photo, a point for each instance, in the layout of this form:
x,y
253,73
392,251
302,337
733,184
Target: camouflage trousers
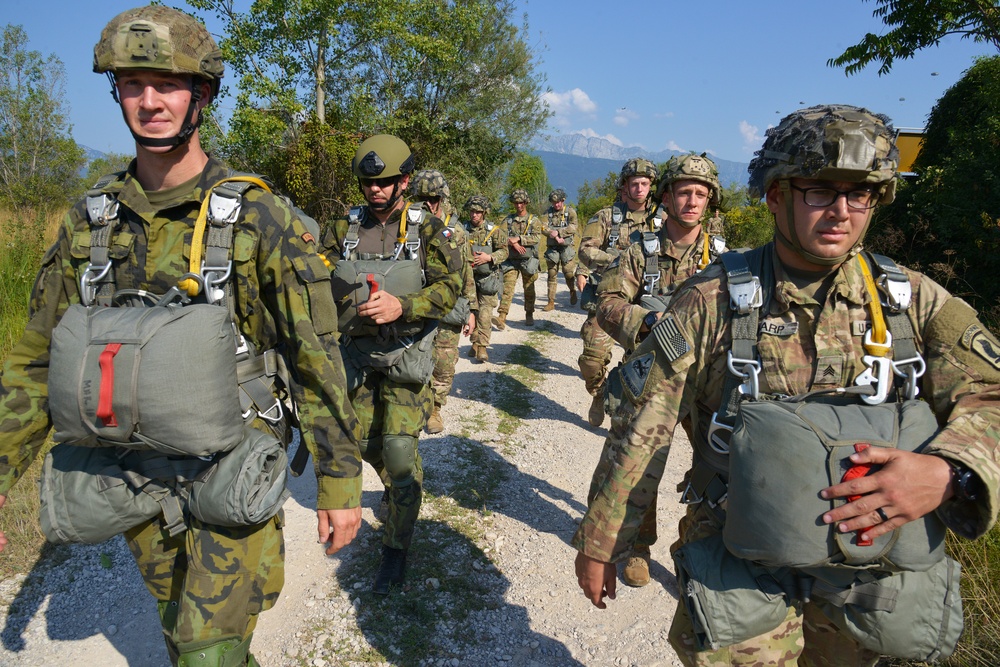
x,y
568,269
210,582
445,357
510,283
387,408
484,318
597,349
806,637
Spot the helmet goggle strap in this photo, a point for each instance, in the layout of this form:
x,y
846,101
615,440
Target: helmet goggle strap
x,y
795,245
187,129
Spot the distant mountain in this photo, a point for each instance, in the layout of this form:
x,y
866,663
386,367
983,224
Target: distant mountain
x,y
573,159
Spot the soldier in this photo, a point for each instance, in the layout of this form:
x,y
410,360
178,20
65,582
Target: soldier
x,y
611,230
128,242
818,510
524,231
637,286
488,245
559,249
398,270
431,189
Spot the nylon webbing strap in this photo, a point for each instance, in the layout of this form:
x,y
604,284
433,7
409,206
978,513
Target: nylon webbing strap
x,y
870,595
102,211
895,285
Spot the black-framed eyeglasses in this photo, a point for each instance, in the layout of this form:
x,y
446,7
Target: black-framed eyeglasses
x,y
861,199
383,183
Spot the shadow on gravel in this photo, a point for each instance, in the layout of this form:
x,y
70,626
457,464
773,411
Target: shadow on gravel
x,y
451,607
542,365
521,402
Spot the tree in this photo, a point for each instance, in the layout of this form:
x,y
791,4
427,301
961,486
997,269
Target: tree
x,y
108,163
454,78
39,161
528,173
917,24
595,195
748,221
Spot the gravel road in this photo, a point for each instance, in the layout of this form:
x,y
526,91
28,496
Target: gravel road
x,y
491,577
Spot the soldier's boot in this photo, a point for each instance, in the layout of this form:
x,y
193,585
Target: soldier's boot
x,y
392,570
232,652
551,305
572,294
529,318
482,354
434,422
596,413
500,321
472,351
636,572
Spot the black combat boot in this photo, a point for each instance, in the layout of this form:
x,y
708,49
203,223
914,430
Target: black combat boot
x,y
391,571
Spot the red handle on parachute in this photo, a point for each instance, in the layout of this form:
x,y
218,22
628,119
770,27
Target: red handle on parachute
x,y
372,283
855,471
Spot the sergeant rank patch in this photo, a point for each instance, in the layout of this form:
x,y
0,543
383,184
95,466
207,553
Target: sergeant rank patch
x,y
636,371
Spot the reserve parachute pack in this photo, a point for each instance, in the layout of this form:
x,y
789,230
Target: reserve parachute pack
x,y
166,377
400,350
459,314
489,281
528,262
897,594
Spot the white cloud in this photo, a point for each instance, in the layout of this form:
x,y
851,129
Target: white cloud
x,y
672,145
569,102
588,132
624,116
752,138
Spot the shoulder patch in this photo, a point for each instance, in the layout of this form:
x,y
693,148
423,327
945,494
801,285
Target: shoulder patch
x,y
635,372
982,343
308,238
446,232
670,338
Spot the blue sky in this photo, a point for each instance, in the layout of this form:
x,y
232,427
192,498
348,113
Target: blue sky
x,y
708,76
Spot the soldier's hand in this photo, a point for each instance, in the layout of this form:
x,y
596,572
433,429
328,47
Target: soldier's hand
x,y
481,258
470,325
381,307
3,538
518,248
581,280
338,527
597,579
907,487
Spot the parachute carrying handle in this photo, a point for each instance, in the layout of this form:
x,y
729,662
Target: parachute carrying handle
x,y
854,472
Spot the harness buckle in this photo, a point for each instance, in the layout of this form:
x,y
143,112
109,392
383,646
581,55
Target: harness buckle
x,y
223,209
917,366
745,296
871,345
897,292
749,371
102,209
213,277
652,280
877,374
715,441
689,496
92,274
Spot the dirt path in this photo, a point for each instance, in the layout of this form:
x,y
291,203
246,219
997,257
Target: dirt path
x,y
491,574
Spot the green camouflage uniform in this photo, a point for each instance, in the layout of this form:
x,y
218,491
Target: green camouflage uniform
x,y
619,314
448,335
804,345
529,228
487,302
210,582
594,259
565,223
383,406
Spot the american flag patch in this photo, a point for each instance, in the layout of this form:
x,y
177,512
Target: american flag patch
x,y
670,338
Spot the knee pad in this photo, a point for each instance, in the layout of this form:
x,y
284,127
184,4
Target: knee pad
x,y
232,652
399,455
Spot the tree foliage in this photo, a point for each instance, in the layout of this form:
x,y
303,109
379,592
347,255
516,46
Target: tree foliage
x,y
594,195
453,78
39,161
947,222
748,222
917,24
528,172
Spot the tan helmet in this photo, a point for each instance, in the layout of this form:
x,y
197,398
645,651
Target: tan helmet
x,y
382,156
557,195
834,142
429,183
158,38
637,166
691,167
478,203
520,195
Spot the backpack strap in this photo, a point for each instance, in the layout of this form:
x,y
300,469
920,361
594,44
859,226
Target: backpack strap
x,y
617,217
651,272
353,236
97,285
409,231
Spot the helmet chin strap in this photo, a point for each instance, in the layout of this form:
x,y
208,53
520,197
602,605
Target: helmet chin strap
x,y
795,245
390,203
187,129
672,216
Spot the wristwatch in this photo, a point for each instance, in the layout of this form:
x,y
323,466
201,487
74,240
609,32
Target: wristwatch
x,y
966,483
647,325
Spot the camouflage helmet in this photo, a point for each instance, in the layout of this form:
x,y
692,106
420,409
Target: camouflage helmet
x,y
637,166
429,183
691,167
382,156
158,38
557,195
833,142
520,195
478,203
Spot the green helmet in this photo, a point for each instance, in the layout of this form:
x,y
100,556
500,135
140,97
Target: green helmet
x,y
158,38
520,195
833,142
478,203
690,167
429,183
637,166
557,195
382,156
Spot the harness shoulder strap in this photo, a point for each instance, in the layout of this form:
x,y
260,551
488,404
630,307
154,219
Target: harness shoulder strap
x,y
97,285
352,238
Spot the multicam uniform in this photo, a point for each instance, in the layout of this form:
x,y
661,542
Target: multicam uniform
x,y
495,237
597,251
392,412
529,229
210,582
448,335
811,338
563,222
